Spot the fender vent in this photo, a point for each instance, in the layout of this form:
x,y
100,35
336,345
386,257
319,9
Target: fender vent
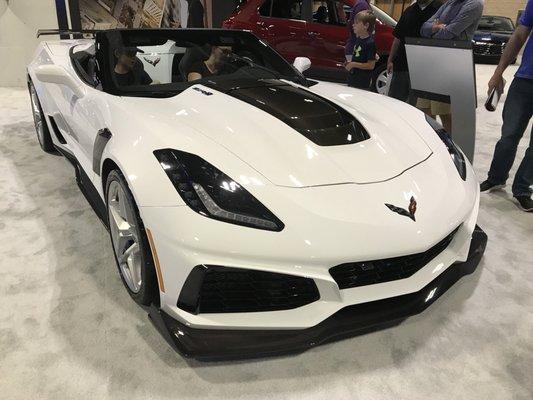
x,y
57,133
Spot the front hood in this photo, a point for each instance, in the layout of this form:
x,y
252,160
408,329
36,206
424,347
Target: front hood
x,y
292,136
492,37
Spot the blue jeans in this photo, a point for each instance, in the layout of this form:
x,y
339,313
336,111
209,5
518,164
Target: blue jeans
x,y
517,112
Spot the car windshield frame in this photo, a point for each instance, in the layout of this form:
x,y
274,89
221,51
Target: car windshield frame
x,y
107,42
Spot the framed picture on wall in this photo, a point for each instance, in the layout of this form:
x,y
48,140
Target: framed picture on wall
x,y
93,15
128,13
107,5
152,13
172,14
109,14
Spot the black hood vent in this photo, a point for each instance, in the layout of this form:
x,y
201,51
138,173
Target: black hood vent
x,y
318,119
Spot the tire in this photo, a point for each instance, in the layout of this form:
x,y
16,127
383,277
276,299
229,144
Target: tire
x,y
136,269
39,120
379,79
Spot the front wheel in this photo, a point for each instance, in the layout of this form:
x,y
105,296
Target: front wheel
x,y
130,244
380,79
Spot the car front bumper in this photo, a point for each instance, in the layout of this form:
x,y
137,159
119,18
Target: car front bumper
x,y
221,344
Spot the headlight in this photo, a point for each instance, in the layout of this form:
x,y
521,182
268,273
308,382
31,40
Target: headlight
x,y
210,192
456,154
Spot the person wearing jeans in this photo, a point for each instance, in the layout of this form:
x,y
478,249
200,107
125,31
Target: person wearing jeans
x,y
517,113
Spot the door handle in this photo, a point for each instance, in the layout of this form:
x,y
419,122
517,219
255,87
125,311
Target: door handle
x,y
313,33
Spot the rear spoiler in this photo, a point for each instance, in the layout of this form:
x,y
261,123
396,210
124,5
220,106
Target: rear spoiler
x,y
46,32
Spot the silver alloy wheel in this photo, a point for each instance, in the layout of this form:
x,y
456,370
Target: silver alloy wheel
x,y
37,116
382,82
125,236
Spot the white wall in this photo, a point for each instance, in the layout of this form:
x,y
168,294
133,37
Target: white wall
x,y
507,8
19,21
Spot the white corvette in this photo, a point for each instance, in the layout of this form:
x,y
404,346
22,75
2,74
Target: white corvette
x,y
254,212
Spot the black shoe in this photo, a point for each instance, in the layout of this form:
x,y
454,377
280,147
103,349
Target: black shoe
x,y
488,186
525,203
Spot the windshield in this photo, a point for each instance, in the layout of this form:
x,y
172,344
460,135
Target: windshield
x,y
383,16
496,24
164,62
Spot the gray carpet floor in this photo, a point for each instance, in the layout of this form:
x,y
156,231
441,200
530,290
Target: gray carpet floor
x,y
68,329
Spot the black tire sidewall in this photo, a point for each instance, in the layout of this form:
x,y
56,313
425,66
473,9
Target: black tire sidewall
x,y
149,291
47,144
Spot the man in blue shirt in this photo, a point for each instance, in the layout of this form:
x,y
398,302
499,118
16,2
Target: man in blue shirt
x,y
517,113
455,20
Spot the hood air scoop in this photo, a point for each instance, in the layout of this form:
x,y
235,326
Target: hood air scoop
x,y
318,119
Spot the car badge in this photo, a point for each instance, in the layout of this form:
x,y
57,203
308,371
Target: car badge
x,y
204,92
153,62
410,212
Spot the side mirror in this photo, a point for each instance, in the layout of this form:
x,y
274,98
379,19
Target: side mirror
x,y
58,75
302,64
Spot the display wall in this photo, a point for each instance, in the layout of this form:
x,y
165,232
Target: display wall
x,y
108,14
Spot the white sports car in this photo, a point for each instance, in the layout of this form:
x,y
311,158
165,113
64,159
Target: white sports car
x,y
252,211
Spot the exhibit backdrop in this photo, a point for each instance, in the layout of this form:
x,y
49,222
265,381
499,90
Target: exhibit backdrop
x,y
109,14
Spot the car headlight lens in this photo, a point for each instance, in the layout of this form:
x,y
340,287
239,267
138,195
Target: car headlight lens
x,y
457,156
210,192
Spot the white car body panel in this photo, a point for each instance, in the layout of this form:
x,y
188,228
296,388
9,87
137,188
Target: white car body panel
x,y
331,199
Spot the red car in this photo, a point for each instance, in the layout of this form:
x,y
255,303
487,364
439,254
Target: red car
x,y
316,29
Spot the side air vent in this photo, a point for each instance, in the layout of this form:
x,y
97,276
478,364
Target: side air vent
x,y
57,133
216,289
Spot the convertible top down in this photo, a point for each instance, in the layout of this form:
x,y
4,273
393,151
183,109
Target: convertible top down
x,y
252,211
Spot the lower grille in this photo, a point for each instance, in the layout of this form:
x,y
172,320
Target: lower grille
x,y
230,290
356,274
488,49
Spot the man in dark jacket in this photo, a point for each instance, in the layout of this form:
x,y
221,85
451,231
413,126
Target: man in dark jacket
x,y
196,14
408,26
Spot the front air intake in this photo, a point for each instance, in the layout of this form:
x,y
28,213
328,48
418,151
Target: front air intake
x,y
216,289
364,273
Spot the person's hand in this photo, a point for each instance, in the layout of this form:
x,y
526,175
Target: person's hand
x,y
437,26
390,67
495,82
348,66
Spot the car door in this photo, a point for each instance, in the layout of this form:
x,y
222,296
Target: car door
x,y
282,23
328,33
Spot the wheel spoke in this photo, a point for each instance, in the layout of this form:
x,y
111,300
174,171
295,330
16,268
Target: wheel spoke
x,y
124,236
130,251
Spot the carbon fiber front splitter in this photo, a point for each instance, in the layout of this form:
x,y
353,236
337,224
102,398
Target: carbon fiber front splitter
x,y
216,344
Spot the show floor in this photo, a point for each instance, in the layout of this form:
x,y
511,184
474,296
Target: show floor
x,y
69,330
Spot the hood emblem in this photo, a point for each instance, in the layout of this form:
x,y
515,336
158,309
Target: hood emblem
x,y
153,62
410,212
